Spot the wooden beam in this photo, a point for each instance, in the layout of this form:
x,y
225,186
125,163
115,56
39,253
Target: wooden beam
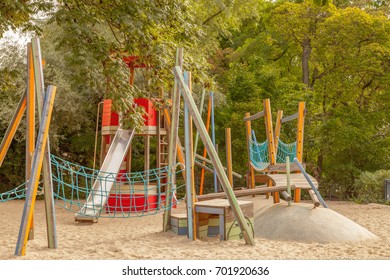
x,y
189,162
245,192
173,139
208,120
32,187
270,138
300,132
313,188
30,122
229,160
12,127
200,112
245,230
210,162
254,117
47,175
278,127
248,138
290,118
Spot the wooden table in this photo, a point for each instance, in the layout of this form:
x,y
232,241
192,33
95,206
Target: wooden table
x,y
221,207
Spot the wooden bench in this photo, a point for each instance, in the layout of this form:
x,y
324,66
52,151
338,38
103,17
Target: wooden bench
x,y
228,227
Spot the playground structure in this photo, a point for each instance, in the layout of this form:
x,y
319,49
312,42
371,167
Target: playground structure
x,y
270,157
115,191
37,153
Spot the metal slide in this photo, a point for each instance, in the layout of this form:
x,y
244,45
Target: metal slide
x,y
111,165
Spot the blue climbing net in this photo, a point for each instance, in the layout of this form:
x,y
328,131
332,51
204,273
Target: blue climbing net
x,y
133,194
259,152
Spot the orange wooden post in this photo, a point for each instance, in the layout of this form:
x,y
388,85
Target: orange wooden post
x,y
270,138
299,153
208,120
30,123
278,127
248,138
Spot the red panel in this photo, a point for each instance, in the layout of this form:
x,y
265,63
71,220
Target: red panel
x,y
109,116
150,118
134,203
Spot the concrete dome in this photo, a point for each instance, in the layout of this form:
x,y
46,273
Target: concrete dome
x,y
303,223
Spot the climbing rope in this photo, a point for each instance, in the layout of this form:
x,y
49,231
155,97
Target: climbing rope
x,y
133,194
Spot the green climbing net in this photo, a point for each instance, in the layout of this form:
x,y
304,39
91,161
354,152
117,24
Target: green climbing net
x,y
133,194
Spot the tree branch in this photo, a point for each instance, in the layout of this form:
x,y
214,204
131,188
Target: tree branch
x,y
214,15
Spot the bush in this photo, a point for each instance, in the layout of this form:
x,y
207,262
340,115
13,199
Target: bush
x,y
369,186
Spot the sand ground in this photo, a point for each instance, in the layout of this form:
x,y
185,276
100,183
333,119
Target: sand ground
x,y
141,238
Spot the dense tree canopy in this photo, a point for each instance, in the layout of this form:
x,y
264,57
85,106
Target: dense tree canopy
x,y
334,55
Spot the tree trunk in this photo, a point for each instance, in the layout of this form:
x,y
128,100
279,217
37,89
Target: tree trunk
x,y
306,51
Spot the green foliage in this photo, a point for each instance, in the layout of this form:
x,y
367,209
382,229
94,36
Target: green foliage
x,y
369,187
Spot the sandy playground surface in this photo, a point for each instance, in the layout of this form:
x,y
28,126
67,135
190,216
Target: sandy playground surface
x,y
141,238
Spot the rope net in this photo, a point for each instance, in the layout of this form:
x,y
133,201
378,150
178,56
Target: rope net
x,y
84,190
285,150
259,152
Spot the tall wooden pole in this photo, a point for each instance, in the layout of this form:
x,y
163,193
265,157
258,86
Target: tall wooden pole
x,y
173,140
213,138
32,185
200,111
246,232
189,161
208,120
47,176
270,138
248,134
30,122
300,132
229,158
278,127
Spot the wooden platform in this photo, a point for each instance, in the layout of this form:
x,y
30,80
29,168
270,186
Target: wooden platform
x,y
295,179
207,212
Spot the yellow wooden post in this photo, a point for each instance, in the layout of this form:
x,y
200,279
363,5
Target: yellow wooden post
x,y
300,132
270,138
248,138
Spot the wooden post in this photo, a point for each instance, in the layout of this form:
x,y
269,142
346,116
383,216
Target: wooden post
x,y
12,127
214,158
213,137
300,132
229,160
32,187
313,188
200,111
189,162
173,139
248,127
288,178
47,176
208,119
278,126
30,122
270,138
